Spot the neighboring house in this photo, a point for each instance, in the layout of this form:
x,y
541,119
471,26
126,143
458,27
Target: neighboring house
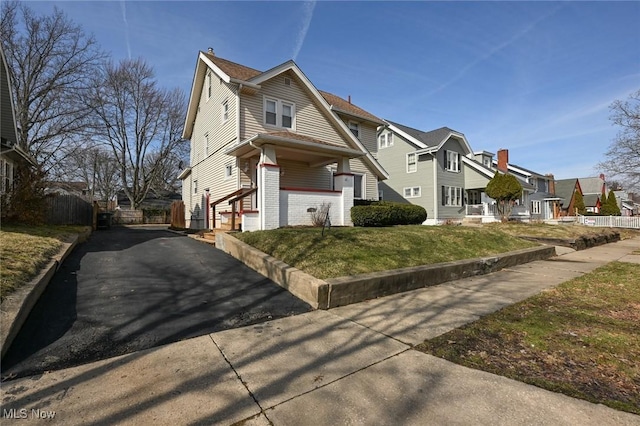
x,y
12,155
160,200
566,190
268,148
592,189
539,202
438,171
79,189
430,169
626,203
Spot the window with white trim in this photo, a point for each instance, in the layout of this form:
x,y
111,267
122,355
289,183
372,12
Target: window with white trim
x,y
451,196
228,171
385,140
206,144
535,207
412,164
412,192
225,110
355,129
358,186
452,161
279,113
195,186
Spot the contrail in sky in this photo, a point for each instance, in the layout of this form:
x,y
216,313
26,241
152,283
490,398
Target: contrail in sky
x,y
307,15
123,8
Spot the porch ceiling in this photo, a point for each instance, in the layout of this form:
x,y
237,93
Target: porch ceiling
x,y
295,147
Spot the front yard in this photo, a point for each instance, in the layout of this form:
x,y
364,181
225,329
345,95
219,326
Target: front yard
x,y
580,338
352,251
26,250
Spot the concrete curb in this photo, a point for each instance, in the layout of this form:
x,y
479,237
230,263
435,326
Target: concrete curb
x,y
16,307
334,292
581,243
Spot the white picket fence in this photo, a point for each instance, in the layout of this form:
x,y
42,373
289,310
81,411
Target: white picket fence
x,y
611,221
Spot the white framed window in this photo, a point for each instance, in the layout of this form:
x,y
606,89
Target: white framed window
x,y
412,164
452,196
535,207
412,192
206,144
279,113
225,110
452,161
355,129
228,171
359,190
208,83
487,162
195,186
6,181
385,140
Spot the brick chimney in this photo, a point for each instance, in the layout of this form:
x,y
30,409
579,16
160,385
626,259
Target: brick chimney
x,y
503,160
552,184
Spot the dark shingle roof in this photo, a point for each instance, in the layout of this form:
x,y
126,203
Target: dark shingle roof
x,y
342,105
431,138
564,190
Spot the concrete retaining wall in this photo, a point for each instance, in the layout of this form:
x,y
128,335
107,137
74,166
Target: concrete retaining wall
x,y
580,243
334,292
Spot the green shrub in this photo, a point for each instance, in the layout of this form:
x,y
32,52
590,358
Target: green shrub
x,y
388,214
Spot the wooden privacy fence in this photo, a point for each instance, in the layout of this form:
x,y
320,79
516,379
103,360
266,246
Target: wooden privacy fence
x,y
68,210
611,221
177,215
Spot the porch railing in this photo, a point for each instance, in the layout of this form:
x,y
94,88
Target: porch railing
x,y
491,210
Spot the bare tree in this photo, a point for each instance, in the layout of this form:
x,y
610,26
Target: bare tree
x,y
140,122
51,62
96,167
623,155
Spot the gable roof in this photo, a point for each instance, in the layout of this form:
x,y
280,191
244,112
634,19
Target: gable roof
x,y
591,185
428,141
591,200
232,72
565,189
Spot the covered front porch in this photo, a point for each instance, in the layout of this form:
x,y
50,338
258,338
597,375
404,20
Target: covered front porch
x,y
286,178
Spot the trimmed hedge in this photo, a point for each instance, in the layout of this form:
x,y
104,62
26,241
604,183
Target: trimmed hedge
x,y
388,214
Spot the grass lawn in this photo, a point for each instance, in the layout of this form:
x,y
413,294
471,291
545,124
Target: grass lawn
x,y
351,251
25,250
556,231
580,338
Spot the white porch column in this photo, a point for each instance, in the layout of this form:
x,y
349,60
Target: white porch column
x,y
343,181
269,189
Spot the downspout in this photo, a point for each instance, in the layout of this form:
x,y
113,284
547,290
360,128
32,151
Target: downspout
x,y
435,186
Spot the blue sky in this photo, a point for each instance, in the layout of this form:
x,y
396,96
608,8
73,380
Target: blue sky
x,y
536,78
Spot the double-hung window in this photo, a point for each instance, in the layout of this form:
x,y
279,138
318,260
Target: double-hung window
x,y
279,113
225,110
386,140
228,171
355,129
358,186
535,207
208,85
412,164
451,196
452,161
206,144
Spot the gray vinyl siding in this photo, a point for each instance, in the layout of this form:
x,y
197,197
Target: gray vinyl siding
x,y
394,160
448,178
474,179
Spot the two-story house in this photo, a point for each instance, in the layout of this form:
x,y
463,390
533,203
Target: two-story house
x,y
433,169
268,148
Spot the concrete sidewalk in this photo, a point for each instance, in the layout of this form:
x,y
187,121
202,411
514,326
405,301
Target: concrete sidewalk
x,y
349,365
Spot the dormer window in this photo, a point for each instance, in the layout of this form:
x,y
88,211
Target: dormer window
x,y
386,140
279,113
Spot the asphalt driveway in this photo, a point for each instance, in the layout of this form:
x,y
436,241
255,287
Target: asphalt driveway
x,y
128,289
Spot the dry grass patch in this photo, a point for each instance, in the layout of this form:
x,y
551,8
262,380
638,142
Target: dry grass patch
x,y
580,338
26,250
557,231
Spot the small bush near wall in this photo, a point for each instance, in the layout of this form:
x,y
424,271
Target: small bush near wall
x,y
388,214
